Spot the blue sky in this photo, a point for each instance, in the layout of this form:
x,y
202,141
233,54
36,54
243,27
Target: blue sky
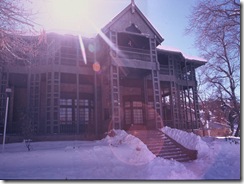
x,y
169,17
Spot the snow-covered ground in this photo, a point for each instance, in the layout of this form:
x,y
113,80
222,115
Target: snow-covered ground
x,y
122,157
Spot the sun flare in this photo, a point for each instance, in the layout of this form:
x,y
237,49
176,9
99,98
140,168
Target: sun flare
x,y
84,17
72,15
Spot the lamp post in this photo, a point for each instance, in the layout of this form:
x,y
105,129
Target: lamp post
x,y
8,91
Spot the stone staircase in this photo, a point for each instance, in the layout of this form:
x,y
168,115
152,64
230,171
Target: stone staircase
x,y
163,146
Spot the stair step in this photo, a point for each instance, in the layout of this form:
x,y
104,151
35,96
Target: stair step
x,y
162,149
179,159
172,149
172,153
174,157
183,159
154,143
163,146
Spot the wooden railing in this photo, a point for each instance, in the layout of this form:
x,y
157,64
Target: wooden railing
x,y
164,69
134,53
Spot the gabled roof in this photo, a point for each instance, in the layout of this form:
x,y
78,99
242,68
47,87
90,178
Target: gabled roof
x,y
133,7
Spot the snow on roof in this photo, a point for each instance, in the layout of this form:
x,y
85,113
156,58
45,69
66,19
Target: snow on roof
x,y
176,50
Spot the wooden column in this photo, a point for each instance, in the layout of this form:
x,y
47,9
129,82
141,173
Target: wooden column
x,y
156,85
114,82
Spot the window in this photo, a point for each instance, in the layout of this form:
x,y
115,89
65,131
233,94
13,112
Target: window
x,y
65,101
84,115
65,115
65,111
84,102
133,112
138,116
137,104
85,111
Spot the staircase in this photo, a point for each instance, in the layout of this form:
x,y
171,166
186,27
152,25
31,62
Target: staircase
x,y
163,146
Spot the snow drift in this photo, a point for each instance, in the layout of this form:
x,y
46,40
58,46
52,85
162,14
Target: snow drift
x,y
136,153
119,156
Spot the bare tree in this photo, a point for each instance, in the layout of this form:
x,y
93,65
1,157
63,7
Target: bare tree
x,y
216,25
17,30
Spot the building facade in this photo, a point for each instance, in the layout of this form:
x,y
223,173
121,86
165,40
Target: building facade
x,y
119,79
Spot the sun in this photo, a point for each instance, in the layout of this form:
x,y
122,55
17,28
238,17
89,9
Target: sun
x,y
68,16
75,15
84,17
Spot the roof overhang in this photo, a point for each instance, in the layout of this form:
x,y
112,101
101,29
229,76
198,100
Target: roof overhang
x,y
197,61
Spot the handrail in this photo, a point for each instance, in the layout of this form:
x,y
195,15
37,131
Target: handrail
x,y
134,50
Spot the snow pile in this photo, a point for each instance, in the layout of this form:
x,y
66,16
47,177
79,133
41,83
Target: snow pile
x,y
136,152
119,156
163,169
188,140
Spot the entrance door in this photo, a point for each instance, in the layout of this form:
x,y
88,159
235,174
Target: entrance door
x,y
133,112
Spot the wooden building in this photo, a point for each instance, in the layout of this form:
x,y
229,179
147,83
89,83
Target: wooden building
x,y
119,79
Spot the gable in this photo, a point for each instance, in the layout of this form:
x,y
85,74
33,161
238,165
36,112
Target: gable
x,y
131,19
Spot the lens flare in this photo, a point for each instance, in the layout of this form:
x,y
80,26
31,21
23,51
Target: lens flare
x,y
96,67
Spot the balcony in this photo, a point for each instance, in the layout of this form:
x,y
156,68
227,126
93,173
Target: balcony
x,y
134,53
164,69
